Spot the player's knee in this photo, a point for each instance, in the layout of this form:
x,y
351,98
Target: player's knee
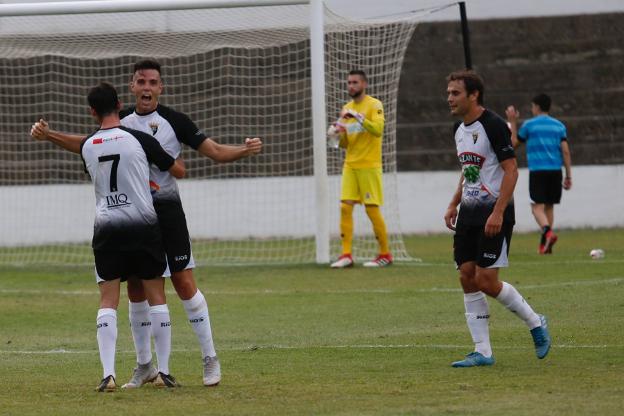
x,y
486,283
184,284
467,281
109,301
155,291
135,290
483,286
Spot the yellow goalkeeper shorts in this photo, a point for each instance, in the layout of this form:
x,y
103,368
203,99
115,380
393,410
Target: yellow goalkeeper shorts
x,y
362,185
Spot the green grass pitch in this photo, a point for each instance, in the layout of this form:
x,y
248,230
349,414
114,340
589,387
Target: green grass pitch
x,y
309,340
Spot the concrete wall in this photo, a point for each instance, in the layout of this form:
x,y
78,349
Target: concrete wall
x,y
260,208
578,60
595,200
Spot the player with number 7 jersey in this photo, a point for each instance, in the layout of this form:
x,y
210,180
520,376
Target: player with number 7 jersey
x,y
118,159
127,242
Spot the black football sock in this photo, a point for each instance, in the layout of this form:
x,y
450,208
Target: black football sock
x,y
544,232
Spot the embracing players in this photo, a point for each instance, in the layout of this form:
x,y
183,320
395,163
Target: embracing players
x,y
171,129
127,242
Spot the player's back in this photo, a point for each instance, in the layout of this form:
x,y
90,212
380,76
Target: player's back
x,y
119,169
543,135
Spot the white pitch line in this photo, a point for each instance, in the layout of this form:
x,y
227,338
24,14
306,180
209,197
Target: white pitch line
x,y
615,280
564,262
327,347
575,283
50,292
530,263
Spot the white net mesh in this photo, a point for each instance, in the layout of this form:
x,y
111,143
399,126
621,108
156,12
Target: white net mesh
x,y
236,73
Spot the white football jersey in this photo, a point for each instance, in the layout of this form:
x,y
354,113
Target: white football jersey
x,y
171,129
118,160
481,146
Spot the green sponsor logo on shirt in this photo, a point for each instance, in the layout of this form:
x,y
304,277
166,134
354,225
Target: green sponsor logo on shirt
x,y
471,173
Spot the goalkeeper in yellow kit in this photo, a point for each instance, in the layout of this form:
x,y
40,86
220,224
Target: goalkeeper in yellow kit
x,y
360,129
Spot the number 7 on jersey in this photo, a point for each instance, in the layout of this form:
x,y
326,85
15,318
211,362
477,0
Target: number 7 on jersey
x,y
113,174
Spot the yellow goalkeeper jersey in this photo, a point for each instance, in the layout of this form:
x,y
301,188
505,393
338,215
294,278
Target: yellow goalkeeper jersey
x,y
363,140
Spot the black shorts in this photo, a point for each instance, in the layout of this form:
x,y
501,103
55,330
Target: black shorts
x,y
175,233
545,186
143,264
471,244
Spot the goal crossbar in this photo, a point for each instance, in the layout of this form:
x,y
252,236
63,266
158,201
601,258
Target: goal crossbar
x,y
120,6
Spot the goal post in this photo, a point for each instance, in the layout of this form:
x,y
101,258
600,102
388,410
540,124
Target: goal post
x,y
319,123
273,69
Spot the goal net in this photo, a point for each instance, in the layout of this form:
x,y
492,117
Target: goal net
x,y
237,72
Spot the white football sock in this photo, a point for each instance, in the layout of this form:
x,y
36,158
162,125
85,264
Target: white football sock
x,y
140,325
107,339
161,328
512,300
478,318
197,311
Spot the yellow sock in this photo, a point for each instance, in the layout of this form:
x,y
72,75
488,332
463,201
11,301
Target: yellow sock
x,y
379,228
346,227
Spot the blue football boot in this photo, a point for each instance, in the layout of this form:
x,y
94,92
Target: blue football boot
x,y
541,338
474,359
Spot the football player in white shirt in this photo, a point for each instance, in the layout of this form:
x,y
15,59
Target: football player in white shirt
x,y
127,242
484,223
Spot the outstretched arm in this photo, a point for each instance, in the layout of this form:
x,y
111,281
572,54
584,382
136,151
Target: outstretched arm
x,y
223,153
513,116
41,131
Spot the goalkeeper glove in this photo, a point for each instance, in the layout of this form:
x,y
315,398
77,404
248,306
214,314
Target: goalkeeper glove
x,y
359,117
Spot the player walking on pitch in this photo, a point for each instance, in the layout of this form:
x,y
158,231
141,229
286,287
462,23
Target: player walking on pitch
x,y
360,129
484,224
547,150
171,129
127,242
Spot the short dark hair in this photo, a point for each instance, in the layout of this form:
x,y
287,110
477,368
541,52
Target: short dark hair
x,y
146,64
472,81
543,101
360,73
103,99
